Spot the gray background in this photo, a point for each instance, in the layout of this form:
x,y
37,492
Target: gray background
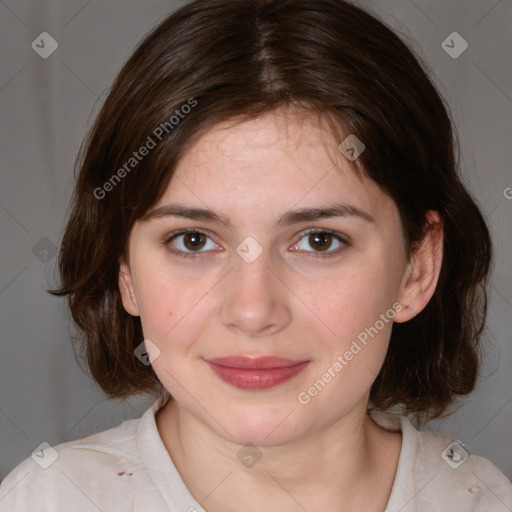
x,y
46,106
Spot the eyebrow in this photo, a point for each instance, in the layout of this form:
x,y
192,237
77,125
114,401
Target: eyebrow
x,y
288,218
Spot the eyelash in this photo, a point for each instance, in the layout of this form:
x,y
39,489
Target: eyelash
x,y
194,255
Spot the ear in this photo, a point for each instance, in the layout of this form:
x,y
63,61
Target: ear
x,y
422,273
126,288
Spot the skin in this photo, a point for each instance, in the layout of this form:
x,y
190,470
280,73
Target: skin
x,y
324,455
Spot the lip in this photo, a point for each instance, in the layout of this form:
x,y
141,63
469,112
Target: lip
x,y
255,373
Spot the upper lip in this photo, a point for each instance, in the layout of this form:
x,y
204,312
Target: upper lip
x,y
255,363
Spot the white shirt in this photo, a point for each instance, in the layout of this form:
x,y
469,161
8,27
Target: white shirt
x,y
128,469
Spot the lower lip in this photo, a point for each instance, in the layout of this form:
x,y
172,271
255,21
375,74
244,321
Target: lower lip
x,y
256,379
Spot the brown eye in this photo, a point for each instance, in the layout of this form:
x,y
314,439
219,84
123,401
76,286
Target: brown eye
x,y
320,241
194,240
317,241
190,243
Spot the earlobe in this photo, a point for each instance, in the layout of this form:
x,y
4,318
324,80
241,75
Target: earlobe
x,y
422,274
126,289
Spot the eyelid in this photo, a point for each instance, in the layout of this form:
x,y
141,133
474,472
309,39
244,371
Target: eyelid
x,y
184,231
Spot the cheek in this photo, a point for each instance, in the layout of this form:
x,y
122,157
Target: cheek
x,y
352,358
356,304
171,304
353,298
157,301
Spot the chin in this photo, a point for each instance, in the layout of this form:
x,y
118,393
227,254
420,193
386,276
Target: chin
x,y
261,425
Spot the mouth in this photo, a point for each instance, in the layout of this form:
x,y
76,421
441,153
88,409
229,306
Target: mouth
x,y
255,373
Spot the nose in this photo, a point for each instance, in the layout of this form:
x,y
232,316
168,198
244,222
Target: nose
x,y
254,298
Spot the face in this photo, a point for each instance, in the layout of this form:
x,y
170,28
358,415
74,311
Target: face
x,y
261,282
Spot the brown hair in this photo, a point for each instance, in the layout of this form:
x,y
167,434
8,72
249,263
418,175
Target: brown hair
x,y
229,58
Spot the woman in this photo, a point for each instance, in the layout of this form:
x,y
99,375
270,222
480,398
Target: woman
x,y
269,231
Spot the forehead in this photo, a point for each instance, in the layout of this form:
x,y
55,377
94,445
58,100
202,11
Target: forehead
x,y
297,139
273,162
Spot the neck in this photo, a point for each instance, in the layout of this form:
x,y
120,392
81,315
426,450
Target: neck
x,y
337,467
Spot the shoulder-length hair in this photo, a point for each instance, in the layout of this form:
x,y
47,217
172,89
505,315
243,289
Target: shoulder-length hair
x,y
215,60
